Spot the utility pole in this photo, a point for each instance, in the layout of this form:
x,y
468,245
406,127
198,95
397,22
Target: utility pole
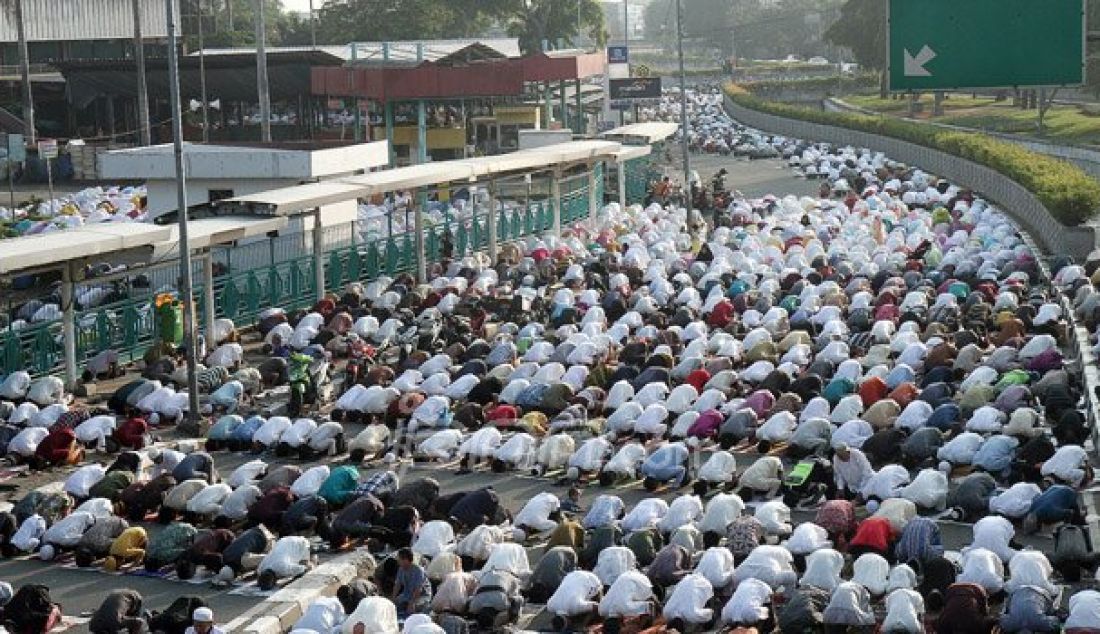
x,y
229,13
626,43
580,29
186,292
25,72
312,26
261,73
145,134
683,103
202,81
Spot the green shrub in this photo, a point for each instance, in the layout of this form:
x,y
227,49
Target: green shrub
x,y
825,83
1070,194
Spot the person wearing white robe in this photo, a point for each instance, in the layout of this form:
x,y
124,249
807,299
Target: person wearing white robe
x,y
904,612
716,565
871,571
850,605
721,511
774,565
901,576
1015,502
928,490
823,568
994,533
576,595
886,483
764,476
535,515
606,510
435,537
719,469
807,538
442,445
683,510
645,514
984,568
688,601
1067,464
518,452
478,543
1030,568
851,469
324,614
83,479
629,596
590,456
613,562
626,461
309,483
1084,610
775,516
749,604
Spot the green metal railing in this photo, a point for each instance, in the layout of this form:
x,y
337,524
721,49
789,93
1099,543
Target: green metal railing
x,y
279,272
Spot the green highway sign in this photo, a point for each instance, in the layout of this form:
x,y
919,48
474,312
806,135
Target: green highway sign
x,y
960,44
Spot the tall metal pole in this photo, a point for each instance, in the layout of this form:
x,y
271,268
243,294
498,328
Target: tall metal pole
x,y
261,73
626,22
229,14
202,81
580,29
186,292
683,102
145,134
25,72
312,26
626,42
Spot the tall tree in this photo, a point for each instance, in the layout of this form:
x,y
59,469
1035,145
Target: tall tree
x,y
343,21
861,28
536,21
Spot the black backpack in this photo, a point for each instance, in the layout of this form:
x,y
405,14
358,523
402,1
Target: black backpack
x,y
177,617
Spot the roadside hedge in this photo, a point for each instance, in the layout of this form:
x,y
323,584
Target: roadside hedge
x,y
1068,192
825,82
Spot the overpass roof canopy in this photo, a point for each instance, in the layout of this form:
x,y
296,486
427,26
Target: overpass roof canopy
x,y
49,250
300,198
642,133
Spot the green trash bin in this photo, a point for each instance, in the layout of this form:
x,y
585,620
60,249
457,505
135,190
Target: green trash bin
x,y
170,320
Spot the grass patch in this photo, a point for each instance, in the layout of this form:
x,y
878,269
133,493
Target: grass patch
x,y
1064,124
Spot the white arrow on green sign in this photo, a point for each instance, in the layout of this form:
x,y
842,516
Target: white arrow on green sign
x,y
961,44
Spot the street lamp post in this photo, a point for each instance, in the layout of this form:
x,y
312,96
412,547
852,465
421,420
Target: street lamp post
x,y
186,292
202,80
261,73
683,102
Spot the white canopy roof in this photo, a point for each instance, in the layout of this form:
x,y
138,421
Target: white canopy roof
x,y
30,252
293,200
651,132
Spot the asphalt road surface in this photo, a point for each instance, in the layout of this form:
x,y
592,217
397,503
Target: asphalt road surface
x,y
81,591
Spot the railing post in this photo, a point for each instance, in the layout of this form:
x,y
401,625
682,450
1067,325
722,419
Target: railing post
x,y
492,222
208,297
555,199
418,227
68,324
318,254
622,183
593,204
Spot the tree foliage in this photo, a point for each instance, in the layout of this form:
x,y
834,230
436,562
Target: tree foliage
x,y
861,28
283,28
758,29
536,21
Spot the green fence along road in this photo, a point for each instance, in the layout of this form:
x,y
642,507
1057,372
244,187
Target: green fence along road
x,y
961,44
284,276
